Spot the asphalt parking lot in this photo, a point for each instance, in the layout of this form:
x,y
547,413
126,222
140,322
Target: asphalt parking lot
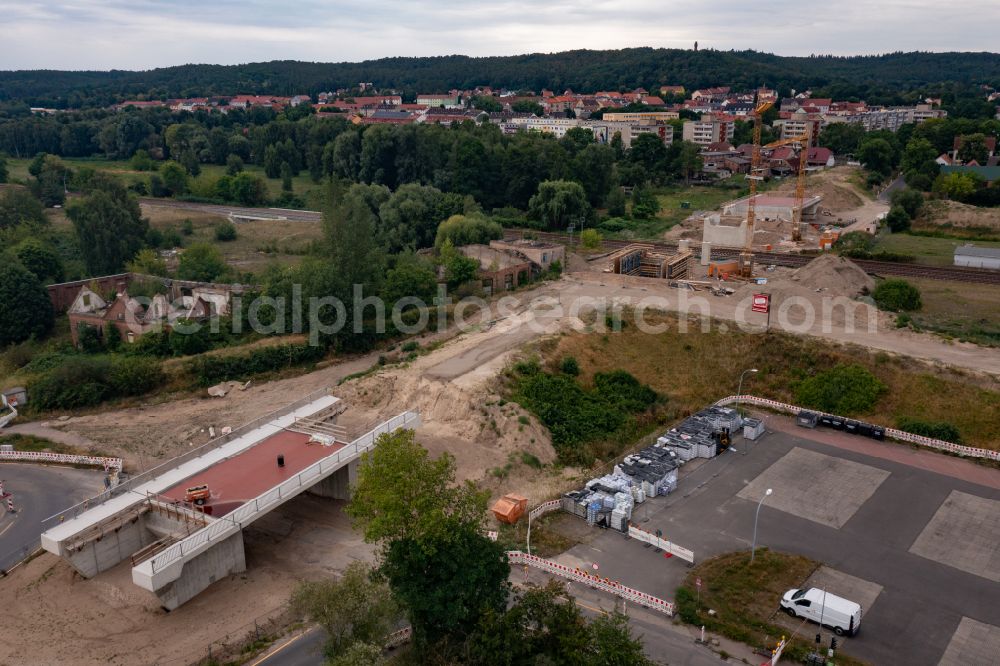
x,y
918,548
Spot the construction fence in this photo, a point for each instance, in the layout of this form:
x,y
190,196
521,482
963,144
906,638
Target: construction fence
x,y
891,433
518,558
107,464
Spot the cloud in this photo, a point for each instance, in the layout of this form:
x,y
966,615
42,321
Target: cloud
x,y
141,34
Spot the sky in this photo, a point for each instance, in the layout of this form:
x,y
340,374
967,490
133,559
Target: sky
x,y
143,34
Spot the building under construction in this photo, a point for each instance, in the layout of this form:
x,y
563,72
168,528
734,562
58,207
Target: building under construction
x,y
644,260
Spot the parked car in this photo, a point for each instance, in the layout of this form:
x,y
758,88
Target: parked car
x,y
823,608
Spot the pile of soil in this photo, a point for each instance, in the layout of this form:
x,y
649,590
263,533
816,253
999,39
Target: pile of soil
x,y
836,275
955,214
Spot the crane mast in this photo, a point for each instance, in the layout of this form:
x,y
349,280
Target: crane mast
x,y
745,263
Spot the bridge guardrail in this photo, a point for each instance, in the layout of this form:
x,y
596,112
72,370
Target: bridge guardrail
x,y
274,496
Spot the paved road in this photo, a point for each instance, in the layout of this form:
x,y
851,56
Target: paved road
x,y
922,602
886,194
39,491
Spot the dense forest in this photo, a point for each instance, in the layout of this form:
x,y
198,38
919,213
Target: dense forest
x,y
883,78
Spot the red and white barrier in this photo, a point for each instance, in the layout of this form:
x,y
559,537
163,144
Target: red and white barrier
x,y
545,507
7,418
62,458
891,433
664,545
516,557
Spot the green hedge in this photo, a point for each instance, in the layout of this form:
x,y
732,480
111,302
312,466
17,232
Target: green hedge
x,y
935,429
89,380
844,390
209,370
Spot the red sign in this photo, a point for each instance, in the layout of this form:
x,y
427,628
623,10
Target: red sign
x,y
761,303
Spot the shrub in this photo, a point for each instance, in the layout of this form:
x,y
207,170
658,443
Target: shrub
x,y
135,375
614,224
412,345
209,370
909,200
898,219
187,227
569,366
77,382
843,390
225,231
591,238
89,338
897,296
935,429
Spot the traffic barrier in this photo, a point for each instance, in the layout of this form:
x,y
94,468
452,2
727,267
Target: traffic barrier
x,y
657,542
7,418
62,458
546,507
891,433
516,557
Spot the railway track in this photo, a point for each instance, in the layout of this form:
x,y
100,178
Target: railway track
x,y
879,268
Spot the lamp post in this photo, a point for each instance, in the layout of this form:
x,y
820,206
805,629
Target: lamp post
x,y
739,391
753,547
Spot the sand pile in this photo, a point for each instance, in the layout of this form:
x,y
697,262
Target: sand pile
x,y
836,275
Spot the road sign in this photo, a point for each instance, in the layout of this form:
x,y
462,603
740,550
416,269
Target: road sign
x,y
596,567
761,303
697,582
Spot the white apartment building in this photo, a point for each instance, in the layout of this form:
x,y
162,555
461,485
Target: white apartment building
x,y
642,116
708,130
800,124
630,130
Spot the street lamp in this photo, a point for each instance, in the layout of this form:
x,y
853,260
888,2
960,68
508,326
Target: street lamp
x,y
739,392
753,547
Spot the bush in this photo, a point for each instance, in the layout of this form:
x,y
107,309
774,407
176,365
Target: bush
x,y
225,231
934,429
89,338
77,382
897,296
898,219
209,370
614,224
135,375
591,238
842,390
569,366
909,200
187,227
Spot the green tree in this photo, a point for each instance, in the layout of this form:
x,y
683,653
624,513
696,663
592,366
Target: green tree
x,y
4,172
17,206
286,177
402,493
645,205
974,148
458,268
910,200
234,164
109,227
41,259
558,204
919,159
225,231
141,161
957,186
845,390
357,608
350,229
202,262
897,296
25,309
359,654
898,219
688,159
527,106
841,138
876,155
487,103
409,218
147,262
616,202
248,189
411,276
468,230
52,182
175,178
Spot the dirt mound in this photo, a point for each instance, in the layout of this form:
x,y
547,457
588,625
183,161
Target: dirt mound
x,y
834,185
955,214
836,275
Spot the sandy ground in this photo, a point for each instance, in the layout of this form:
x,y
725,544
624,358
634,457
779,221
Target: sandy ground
x,y
960,215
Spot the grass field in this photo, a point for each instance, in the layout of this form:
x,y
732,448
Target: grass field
x,y
966,312
926,249
696,368
744,598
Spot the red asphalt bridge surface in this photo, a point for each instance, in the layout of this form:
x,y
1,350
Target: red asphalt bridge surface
x,y
237,480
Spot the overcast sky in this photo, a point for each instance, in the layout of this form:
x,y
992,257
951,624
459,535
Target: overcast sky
x,y
141,34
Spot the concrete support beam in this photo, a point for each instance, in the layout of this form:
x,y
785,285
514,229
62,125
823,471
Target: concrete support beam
x,y
337,485
224,558
104,552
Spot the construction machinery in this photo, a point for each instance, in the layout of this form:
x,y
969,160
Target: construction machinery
x,y
197,495
800,186
756,175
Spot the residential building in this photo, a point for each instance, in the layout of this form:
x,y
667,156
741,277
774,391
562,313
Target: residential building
x,y
629,131
800,124
438,99
641,116
710,129
673,90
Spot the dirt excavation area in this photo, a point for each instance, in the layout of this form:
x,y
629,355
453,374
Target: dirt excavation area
x,y
952,214
454,382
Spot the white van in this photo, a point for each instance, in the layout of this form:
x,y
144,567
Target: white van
x,y
829,610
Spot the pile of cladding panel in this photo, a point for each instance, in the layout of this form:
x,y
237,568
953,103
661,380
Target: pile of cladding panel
x,y
698,436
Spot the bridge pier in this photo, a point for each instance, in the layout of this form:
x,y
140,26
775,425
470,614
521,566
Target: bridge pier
x,y
337,485
108,549
225,558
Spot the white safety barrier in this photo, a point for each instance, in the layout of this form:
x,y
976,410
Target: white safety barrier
x,y
546,507
7,418
516,557
891,433
664,545
107,464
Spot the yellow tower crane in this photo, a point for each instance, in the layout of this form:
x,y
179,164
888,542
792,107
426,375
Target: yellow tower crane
x,y
800,186
755,176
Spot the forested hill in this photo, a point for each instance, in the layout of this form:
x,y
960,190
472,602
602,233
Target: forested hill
x,y
856,76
